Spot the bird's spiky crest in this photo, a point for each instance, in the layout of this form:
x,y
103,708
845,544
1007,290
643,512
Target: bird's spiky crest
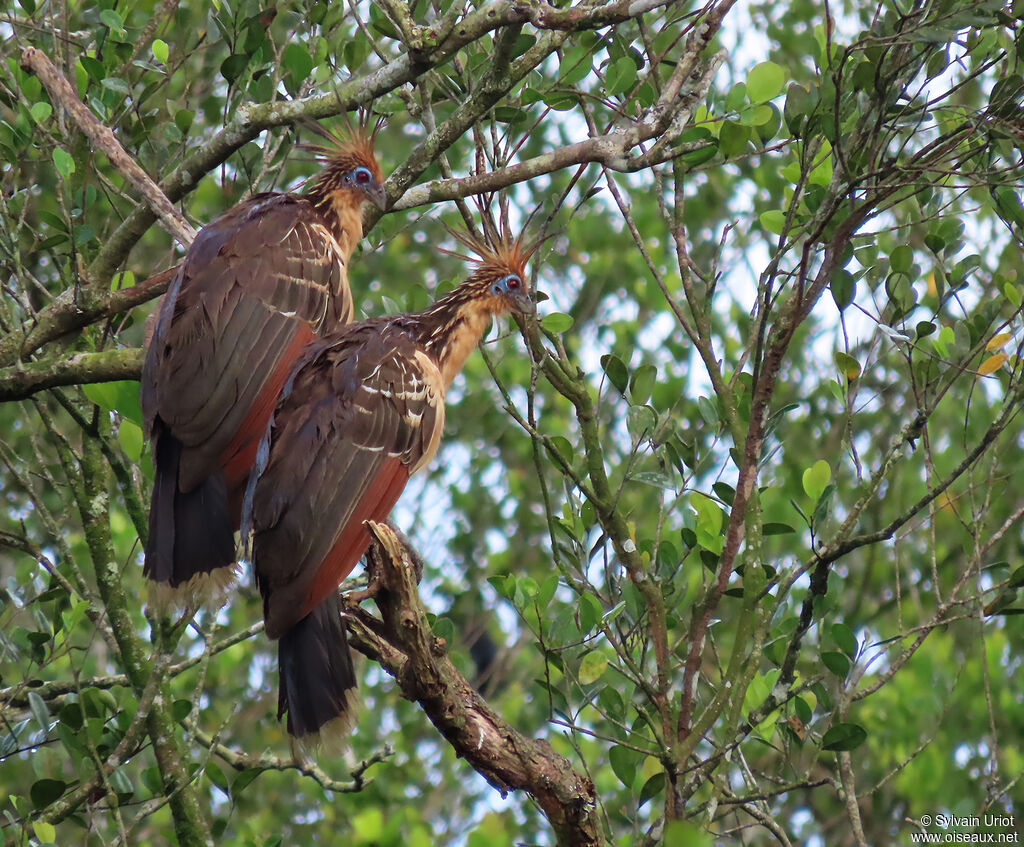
x,y
348,147
495,252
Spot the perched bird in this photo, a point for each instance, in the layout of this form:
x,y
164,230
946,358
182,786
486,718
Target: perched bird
x,y
363,411
257,285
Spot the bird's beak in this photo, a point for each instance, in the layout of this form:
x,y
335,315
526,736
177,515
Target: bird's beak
x,y
378,196
524,303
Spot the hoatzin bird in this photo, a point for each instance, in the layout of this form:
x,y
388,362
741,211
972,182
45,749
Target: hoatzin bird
x,y
256,286
363,411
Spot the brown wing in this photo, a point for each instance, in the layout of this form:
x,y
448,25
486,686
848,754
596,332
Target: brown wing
x,y
364,412
253,281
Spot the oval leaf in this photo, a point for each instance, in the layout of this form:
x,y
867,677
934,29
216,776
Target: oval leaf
x,y
992,364
765,81
844,736
161,52
848,366
592,667
556,322
997,341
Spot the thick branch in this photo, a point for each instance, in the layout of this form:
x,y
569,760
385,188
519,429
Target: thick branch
x,y
404,645
77,308
23,380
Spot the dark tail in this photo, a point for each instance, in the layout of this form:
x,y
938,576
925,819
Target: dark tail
x,y
191,551
317,683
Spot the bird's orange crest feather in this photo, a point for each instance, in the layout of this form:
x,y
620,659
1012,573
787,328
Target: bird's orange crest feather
x,y
496,252
348,147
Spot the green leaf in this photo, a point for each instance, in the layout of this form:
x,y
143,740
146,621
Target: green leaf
x,y
557,322
710,519
641,384
848,366
121,396
63,162
844,736
528,587
815,479
129,434
112,20
1012,293
297,61
576,64
837,663
93,67
589,612
45,832
547,590
44,792
799,106
563,447
736,98
560,101
774,221
616,372
592,666
37,706
624,764
640,421
901,258
733,138
233,66
652,788
620,76
161,52
844,637
774,528
697,157
243,780
765,81
41,111
504,585
183,119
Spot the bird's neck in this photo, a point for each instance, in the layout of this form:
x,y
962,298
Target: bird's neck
x,y
451,330
344,215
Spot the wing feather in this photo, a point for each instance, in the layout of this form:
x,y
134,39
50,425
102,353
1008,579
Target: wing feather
x,y
362,415
253,280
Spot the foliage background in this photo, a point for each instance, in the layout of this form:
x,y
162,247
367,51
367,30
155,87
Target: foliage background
x,y
780,355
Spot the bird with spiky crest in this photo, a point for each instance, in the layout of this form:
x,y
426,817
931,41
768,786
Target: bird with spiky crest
x,y
363,411
257,285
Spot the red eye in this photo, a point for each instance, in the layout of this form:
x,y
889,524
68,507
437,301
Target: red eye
x,y
363,176
513,283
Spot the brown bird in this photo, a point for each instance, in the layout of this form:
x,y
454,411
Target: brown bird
x,y
363,411
256,286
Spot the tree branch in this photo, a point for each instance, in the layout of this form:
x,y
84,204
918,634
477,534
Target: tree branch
x,y
404,645
23,380
103,139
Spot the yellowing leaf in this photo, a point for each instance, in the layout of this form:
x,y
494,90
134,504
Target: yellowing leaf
x,y
930,285
592,667
848,366
992,364
998,341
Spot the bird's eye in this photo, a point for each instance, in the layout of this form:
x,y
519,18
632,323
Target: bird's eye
x,y
507,285
362,175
